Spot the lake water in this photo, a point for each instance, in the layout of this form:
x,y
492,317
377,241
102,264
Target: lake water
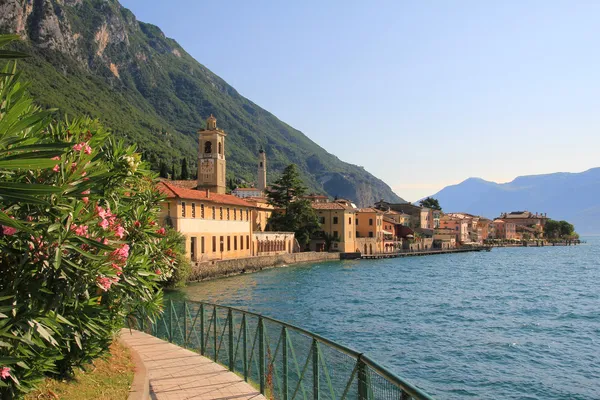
x,y
518,323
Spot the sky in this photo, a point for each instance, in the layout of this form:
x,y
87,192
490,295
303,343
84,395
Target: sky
x,y
422,93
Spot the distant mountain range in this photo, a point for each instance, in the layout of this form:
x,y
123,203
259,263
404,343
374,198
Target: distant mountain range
x,y
93,57
574,197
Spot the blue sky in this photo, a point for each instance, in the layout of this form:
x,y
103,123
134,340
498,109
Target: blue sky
x,y
423,94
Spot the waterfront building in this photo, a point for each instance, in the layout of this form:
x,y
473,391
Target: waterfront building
x,y
337,219
459,225
217,225
505,230
437,215
369,224
535,221
444,238
316,198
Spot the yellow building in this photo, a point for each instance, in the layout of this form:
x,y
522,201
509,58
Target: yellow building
x,y
261,212
369,224
217,225
338,220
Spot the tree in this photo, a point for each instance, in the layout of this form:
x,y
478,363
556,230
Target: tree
x,y
292,213
432,203
164,171
185,173
558,229
173,172
287,188
329,240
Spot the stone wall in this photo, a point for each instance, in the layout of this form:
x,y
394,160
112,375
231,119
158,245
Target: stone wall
x,y
218,268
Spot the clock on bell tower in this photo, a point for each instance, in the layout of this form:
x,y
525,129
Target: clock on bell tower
x,y
211,157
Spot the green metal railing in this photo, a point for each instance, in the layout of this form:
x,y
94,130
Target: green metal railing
x,y
282,360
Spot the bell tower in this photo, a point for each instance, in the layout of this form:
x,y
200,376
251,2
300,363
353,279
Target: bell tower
x,y
211,157
262,170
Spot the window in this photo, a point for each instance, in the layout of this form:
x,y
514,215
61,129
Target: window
x,y
202,245
220,212
214,213
235,243
227,213
357,221
335,220
220,147
183,209
248,241
261,164
222,243
214,240
207,147
371,221
241,242
193,210
371,234
228,243
193,248
235,214
349,220
247,215
335,234
201,210
321,220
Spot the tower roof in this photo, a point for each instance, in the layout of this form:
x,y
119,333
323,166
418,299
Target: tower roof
x,y
261,150
211,118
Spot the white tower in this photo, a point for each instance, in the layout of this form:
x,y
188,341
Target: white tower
x,y
262,170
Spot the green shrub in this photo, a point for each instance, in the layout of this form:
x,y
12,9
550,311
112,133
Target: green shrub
x,y
80,247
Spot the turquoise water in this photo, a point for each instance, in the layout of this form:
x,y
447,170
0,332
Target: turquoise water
x,y
518,323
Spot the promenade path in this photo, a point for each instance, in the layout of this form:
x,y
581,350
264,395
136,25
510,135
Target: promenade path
x,y
176,373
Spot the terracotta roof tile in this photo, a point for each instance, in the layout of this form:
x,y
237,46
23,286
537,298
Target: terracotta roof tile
x,y
173,191
331,206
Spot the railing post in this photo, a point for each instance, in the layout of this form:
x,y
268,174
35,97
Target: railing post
x,y
315,349
230,340
261,354
284,339
215,331
202,347
185,331
245,346
171,321
363,386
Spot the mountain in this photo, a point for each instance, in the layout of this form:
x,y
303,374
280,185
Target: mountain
x,y
93,57
574,197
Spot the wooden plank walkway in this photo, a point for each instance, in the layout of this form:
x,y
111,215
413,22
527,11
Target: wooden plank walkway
x,y
422,253
176,373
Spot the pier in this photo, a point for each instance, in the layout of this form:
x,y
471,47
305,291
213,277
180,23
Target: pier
x,y
423,252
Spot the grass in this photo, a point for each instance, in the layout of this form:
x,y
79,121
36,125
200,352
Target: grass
x,y
105,379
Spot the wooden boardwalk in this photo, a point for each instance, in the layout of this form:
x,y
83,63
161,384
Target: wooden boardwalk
x,y
176,373
423,252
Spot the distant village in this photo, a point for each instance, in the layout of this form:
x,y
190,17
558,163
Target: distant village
x,y
220,226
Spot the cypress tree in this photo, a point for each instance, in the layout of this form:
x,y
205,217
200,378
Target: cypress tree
x,y
185,174
173,172
164,171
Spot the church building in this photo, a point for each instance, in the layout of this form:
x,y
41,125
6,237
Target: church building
x,y
217,225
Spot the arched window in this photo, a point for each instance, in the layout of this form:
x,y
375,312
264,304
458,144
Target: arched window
x,y
208,147
220,148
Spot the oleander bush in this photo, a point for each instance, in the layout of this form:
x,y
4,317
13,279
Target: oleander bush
x,y
80,247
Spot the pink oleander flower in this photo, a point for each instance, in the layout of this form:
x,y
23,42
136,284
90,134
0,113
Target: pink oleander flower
x,y
120,231
103,224
78,146
56,168
86,192
8,230
158,272
104,282
4,372
83,173
118,269
137,224
55,158
85,199
102,213
87,149
80,230
121,253
161,231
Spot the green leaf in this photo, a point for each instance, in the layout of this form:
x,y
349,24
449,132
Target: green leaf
x,y
27,163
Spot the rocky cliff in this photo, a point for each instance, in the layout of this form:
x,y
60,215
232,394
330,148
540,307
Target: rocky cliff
x,y
94,57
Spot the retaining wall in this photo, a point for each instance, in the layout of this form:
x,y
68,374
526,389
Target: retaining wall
x,y
218,268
